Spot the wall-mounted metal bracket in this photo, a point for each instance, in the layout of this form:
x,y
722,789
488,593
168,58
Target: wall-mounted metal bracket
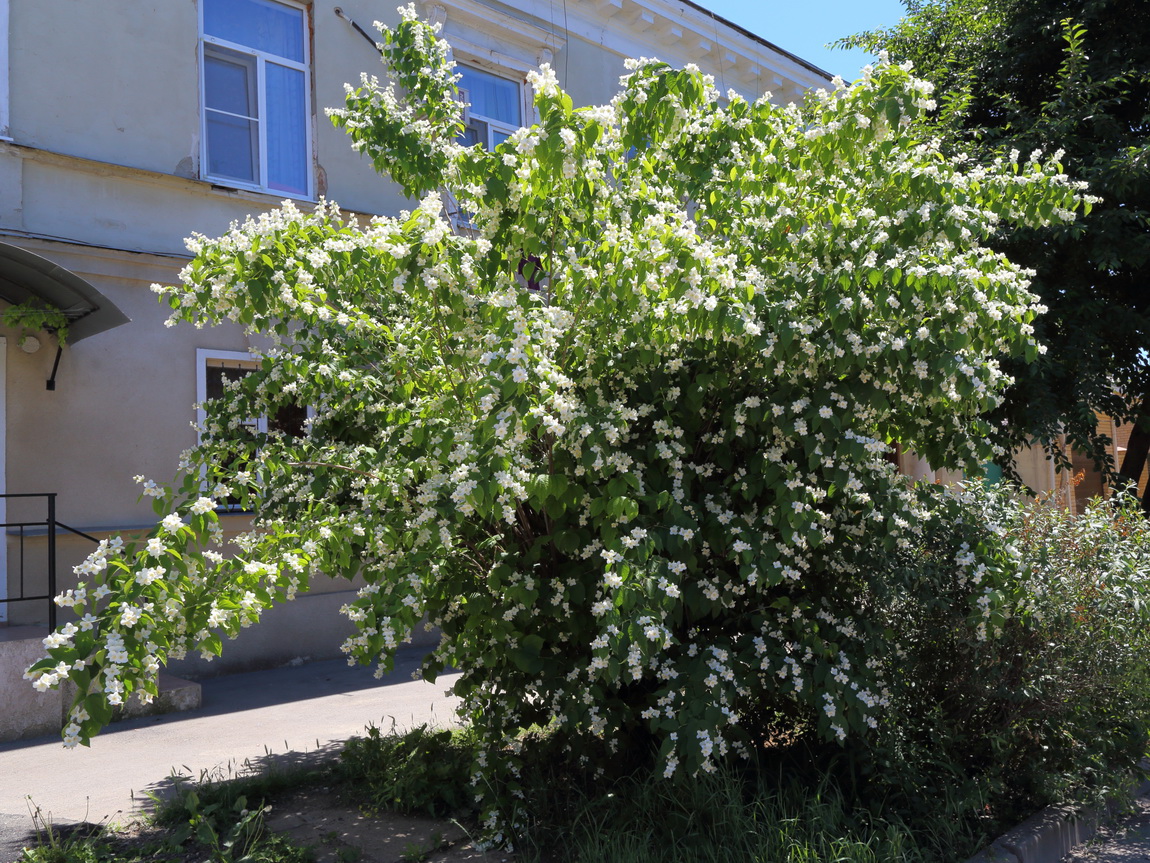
x,y
52,380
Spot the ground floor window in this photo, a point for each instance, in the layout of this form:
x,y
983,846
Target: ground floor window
x,y
214,370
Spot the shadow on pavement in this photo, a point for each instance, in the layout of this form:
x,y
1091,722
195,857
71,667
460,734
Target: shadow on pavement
x,y
251,690
287,763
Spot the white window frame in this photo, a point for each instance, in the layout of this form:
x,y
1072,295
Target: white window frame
x,y
526,105
209,358
261,59
460,220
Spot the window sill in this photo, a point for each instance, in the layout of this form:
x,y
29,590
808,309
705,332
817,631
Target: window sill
x,y
253,193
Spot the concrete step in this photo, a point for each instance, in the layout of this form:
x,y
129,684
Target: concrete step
x,y
25,713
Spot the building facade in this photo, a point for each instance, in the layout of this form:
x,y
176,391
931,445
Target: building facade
x,y
127,125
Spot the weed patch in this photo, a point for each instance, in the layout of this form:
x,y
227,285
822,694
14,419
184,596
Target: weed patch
x,y
423,771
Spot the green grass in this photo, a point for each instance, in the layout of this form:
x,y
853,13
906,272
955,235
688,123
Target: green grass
x,y
110,848
219,792
727,818
787,810
424,771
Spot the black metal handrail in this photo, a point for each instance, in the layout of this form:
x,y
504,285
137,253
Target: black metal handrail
x,y
50,526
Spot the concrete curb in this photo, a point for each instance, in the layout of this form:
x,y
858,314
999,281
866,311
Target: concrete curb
x,y
1051,834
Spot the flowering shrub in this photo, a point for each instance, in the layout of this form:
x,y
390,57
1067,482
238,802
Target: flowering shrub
x,y
636,495
1058,705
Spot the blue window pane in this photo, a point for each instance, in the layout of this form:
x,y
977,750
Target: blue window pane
x,y
472,136
260,24
287,129
232,147
229,83
491,96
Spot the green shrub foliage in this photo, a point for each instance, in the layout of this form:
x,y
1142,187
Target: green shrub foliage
x,y
620,426
1058,705
422,771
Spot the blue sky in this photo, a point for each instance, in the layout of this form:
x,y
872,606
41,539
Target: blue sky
x,y
804,27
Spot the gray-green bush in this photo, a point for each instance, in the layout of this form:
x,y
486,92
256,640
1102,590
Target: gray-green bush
x,y
1057,704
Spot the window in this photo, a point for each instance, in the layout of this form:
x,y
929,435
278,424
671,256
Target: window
x,y
256,96
214,369
496,107
496,110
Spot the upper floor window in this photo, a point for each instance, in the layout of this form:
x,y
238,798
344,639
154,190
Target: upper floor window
x,y
496,107
256,96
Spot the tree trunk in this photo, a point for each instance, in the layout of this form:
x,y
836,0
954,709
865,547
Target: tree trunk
x,y
1137,451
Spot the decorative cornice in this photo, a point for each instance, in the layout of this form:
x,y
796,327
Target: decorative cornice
x,y
678,31
492,33
436,14
682,31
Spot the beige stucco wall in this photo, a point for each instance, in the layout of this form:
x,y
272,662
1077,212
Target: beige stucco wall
x,y
123,398
25,712
1037,470
121,407
588,72
130,100
1034,466
114,82
344,57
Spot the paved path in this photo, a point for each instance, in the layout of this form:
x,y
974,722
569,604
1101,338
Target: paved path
x,y
284,714
1126,842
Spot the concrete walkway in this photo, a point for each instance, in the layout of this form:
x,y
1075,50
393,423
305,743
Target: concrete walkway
x,y
285,715
1126,842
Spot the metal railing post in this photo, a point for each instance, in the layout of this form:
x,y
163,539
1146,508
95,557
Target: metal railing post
x,y
52,562
19,530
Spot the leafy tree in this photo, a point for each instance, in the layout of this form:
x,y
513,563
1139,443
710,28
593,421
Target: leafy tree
x,y
644,499
1071,76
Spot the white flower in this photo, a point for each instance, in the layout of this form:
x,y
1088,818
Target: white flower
x,y
149,574
56,639
130,615
202,505
172,523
